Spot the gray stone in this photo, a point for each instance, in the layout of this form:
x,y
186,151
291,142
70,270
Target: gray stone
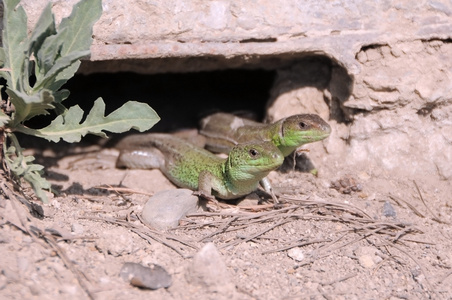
x,y
153,277
388,210
166,208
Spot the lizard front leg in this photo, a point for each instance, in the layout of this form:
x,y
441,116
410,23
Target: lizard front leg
x,y
205,181
265,183
208,182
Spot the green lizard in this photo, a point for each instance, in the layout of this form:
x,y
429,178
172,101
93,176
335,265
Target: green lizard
x,y
223,131
189,166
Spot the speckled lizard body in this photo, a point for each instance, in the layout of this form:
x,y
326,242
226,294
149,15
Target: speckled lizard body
x,y
189,166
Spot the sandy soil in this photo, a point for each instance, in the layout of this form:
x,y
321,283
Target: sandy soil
x,y
374,237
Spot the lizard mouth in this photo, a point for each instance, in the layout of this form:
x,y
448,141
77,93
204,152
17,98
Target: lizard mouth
x,y
276,160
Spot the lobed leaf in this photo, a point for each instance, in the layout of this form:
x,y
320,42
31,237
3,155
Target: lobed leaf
x,y
4,118
47,54
69,62
15,42
2,58
44,28
68,127
77,29
37,182
58,57
23,167
28,106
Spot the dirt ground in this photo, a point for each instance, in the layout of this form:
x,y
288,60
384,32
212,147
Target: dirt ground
x,y
373,237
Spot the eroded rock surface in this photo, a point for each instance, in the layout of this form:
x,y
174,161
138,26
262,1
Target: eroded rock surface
x,y
396,116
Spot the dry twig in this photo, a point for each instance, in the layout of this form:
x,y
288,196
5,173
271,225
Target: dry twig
x,y
66,260
435,217
430,286
361,223
410,206
146,233
120,190
340,279
249,238
293,245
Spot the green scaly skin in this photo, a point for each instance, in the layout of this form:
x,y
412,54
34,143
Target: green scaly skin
x,y
223,131
189,166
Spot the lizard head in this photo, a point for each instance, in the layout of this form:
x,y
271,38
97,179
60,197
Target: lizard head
x,y
298,130
253,160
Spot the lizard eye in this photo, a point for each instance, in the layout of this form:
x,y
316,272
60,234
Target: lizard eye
x,y
303,125
253,152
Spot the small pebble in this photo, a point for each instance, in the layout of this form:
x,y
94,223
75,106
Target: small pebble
x,y
77,228
296,254
388,210
153,277
366,261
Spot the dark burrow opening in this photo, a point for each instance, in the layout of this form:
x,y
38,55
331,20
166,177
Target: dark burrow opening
x,y
180,99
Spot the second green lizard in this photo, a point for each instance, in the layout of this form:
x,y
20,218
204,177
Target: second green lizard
x,y
223,131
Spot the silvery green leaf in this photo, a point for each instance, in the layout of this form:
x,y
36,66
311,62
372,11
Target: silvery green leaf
x,y
77,29
15,42
23,167
45,27
4,118
28,106
68,127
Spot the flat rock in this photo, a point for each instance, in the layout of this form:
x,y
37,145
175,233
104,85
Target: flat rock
x,y
165,209
239,28
153,277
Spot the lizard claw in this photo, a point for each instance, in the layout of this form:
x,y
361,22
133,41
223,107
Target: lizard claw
x,y
275,199
207,197
204,195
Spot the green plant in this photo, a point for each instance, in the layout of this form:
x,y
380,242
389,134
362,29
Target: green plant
x,y
35,68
